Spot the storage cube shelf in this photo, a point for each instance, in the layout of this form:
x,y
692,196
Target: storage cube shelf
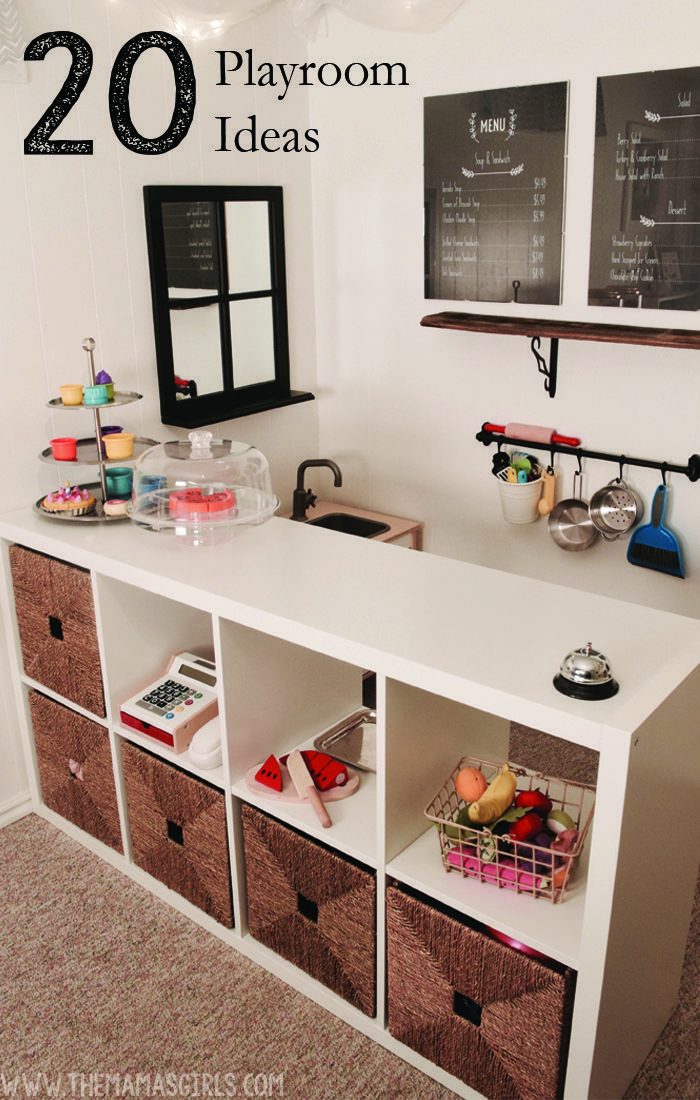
x,y
177,826
493,1016
56,622
311,906
293,617
75,769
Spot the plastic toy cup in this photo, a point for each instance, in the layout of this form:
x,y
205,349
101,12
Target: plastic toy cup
x,y
119,480
119,444
71,395
108,429
95,395
64,449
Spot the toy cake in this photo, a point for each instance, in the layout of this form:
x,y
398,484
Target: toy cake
x,y
70,501
193,504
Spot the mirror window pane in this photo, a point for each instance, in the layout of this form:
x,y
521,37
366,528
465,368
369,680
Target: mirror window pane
x,y
191,256
252,341
248,246
197,346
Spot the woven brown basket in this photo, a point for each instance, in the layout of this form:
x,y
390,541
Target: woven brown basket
x,y
178,831
75,768
313,907
524,868
56,621
491,1016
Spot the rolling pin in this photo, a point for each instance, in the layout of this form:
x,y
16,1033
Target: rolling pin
x,y
532,434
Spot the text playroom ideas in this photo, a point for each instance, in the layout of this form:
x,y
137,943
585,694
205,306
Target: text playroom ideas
x,y
256,135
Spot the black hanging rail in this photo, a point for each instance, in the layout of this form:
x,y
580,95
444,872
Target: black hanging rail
x,y
691,469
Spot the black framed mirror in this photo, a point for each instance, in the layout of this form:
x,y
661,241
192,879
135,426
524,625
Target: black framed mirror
x,y
218,288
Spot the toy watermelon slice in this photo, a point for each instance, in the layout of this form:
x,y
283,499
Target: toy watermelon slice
x,y
325,771
270,773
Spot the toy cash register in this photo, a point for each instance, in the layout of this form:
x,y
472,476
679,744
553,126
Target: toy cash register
x,y
173,708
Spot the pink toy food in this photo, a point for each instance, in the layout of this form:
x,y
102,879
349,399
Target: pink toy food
x,y
505,872
193,502
69,501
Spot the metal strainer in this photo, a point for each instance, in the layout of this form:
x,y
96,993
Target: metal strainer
x,y
615,509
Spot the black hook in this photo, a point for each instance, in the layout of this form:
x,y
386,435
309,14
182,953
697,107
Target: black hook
x,y
663,472
580,464
622,463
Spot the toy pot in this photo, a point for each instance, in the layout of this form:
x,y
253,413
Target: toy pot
x,y
119,444
119,480
64,449
71,395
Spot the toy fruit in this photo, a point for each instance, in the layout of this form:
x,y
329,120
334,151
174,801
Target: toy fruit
x,y
565,841
534,800
470,784
325,771
496,798
559,820
526,828
270,773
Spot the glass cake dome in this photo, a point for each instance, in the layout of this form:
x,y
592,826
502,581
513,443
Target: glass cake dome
x,y
200,489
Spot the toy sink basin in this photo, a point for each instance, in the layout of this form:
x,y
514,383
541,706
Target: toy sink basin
x,y
350,525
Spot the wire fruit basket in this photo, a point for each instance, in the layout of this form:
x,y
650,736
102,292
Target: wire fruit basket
x,y
489,855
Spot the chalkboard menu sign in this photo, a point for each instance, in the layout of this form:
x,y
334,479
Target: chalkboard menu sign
x,y
494,167
645,228
190,235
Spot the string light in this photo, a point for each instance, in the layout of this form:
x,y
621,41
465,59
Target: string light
x,y
200,19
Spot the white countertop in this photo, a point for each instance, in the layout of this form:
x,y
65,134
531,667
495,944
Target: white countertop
x,y
489,638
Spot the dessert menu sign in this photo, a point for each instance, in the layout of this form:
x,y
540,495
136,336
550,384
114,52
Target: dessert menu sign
x,y
645,228
494,169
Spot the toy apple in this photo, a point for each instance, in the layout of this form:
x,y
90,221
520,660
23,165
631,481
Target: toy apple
x,y
526,828
534,800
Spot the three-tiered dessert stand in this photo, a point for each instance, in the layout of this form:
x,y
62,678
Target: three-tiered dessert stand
x,y
91,452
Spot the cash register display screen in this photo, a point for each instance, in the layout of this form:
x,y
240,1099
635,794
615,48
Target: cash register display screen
x,y
197,674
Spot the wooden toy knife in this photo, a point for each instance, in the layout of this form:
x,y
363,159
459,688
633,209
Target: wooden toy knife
x,y
301,777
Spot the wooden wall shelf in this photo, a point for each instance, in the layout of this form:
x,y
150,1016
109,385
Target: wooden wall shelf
x,y
565,330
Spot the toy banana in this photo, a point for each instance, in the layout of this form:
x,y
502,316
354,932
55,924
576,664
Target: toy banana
x,y
496,798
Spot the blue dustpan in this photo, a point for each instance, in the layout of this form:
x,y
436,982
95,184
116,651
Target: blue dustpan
x,y
653,545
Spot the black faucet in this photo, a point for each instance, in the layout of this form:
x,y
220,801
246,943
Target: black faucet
x,y
304,498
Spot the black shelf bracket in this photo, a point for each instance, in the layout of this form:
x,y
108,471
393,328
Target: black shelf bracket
x,y
691,469
549,370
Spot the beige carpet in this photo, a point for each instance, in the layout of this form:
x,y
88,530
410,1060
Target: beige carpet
x,y
107,991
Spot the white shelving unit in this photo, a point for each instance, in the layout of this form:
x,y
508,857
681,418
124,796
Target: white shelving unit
x,y
293,616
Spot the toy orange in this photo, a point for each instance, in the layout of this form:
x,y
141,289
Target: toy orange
x,y
470,784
